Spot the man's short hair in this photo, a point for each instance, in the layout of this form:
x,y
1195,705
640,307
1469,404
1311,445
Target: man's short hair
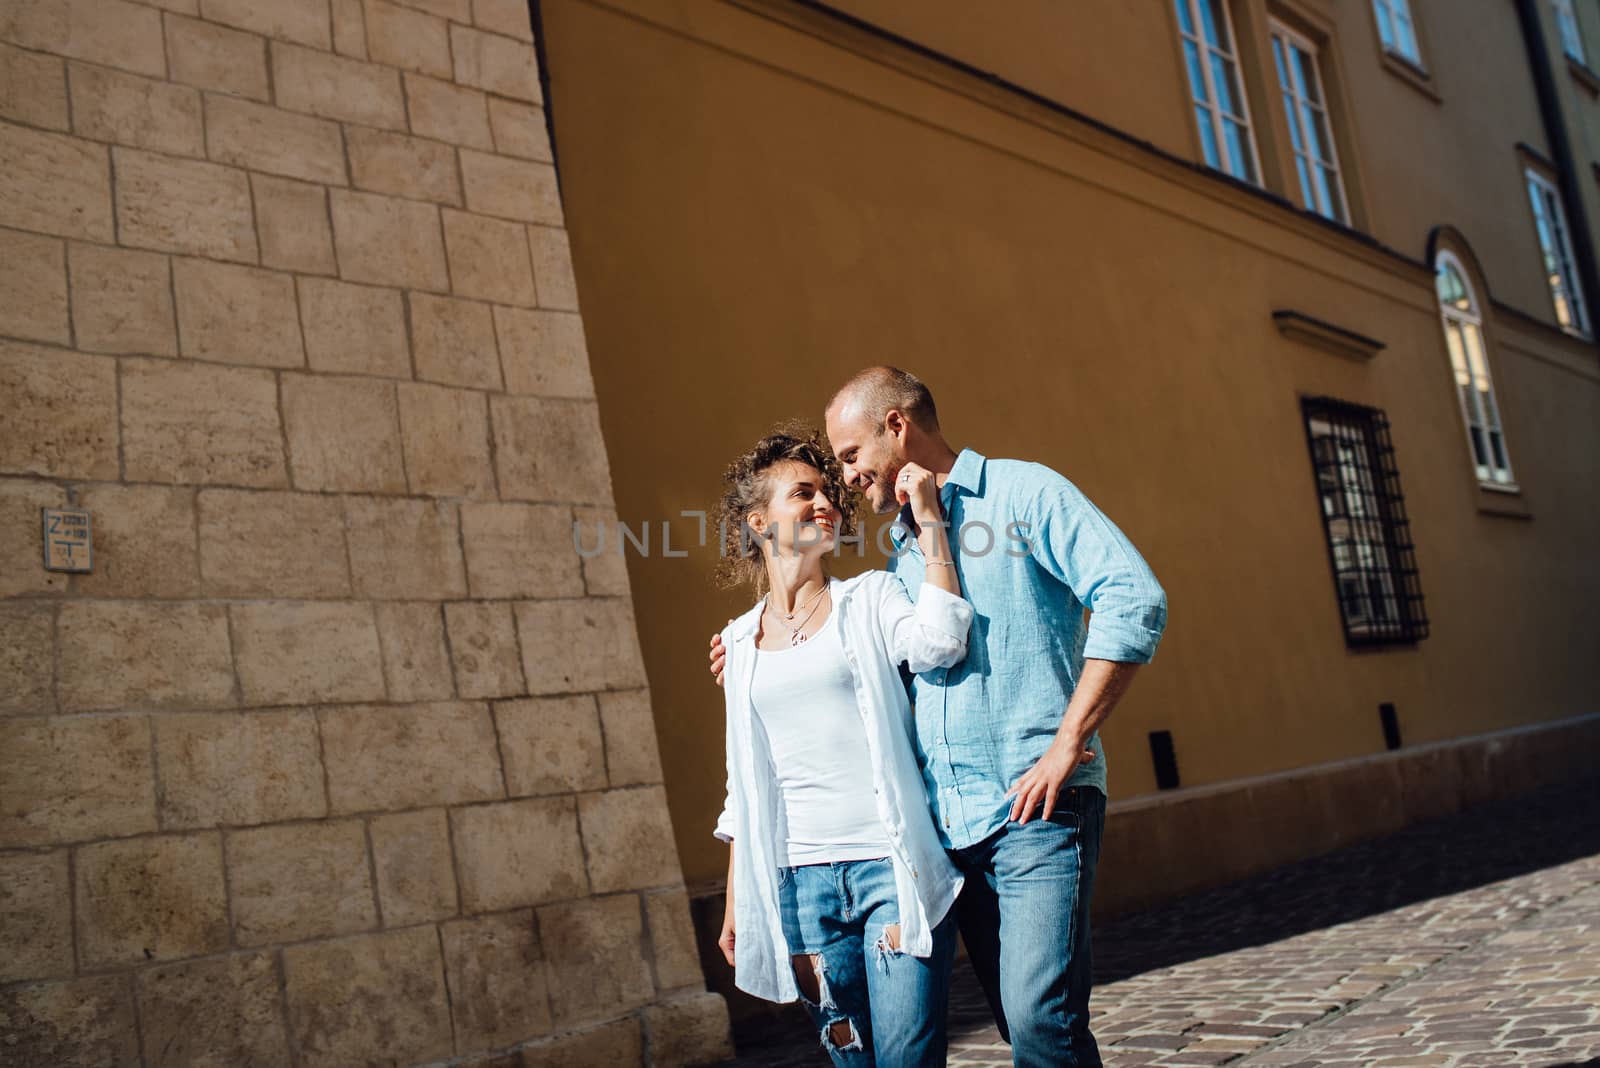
x,y
876,390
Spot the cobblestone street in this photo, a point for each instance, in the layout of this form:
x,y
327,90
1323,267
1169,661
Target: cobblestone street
x,y
1473,942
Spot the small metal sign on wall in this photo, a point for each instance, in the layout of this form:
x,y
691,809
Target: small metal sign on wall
x,y
67,544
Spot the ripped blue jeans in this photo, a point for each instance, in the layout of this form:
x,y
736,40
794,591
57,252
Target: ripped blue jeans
x,y
871,1003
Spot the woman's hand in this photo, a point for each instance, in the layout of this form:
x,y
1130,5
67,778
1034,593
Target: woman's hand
x,y
725,939
919,486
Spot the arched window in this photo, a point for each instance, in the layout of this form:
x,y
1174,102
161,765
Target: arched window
x,y
1463,336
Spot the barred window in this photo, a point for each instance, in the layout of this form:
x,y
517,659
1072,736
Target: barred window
x,y
1364,518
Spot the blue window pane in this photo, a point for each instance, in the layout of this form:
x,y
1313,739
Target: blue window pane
x,y
1306,196
1240,165
1385,24
1222,77
1185,20
1211,17
1197,77
1208,137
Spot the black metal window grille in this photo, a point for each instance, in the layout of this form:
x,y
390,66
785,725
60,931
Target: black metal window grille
x,y
1364,517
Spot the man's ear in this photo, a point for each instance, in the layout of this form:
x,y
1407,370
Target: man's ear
x,y
895,423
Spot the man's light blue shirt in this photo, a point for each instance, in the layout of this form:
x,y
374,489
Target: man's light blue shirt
x,y
1032,553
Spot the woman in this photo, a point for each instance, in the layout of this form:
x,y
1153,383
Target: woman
x,y
838,890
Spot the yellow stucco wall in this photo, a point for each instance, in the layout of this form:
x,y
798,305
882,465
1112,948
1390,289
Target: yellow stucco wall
x,y
762,200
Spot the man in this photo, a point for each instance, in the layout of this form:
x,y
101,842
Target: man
x,y
1003,736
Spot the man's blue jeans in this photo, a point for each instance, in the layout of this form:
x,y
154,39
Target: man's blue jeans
x,y
872,1003
1024,915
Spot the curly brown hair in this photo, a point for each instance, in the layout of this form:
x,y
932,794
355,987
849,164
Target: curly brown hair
x,y
747,487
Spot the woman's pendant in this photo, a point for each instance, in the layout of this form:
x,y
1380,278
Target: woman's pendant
x,y
797,638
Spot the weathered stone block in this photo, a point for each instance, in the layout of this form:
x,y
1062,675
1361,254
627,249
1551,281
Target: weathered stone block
x,y
551,745
666,914
302,21
520,853
550,450
27,660
175,205
22,537
411,853
454,342
223,1011
54,183
265,138
497,64
372,998
110,32
414,657
483,647
354,329
454,10
607,1045
301,653
213,57
72,1022
570,646
158,898
408,39
520,550
344,434
593,946
503,16
124,301
237,314
108,105
33,287
488,258
238,768
337,87
349,29
33,88
403,166
632,756
497,980
115,653
60,412
552,266
511,188
406,756
629,839
271,545
447,112
404,549
543,353
388,241
292,220
144,544
691,1029
446,436
184,422
519,130
72,779
36,918
302,880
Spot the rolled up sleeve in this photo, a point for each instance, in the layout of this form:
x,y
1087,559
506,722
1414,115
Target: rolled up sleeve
x,y
928,633
1075,541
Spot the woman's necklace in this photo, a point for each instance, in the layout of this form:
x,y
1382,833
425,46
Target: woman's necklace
x,y
786,619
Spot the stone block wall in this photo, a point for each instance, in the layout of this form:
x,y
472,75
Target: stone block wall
x,y
340,754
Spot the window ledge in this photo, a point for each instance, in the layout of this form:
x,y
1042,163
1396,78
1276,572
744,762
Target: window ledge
x,y
1298,326
1410,73
1495,499
1584,76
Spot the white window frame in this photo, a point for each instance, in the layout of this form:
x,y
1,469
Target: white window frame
x,y
1296,103
1397,29
1571,33
1211,105
1469,364
1555,247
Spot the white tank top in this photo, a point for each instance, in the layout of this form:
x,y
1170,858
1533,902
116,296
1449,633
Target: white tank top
x,y
805,698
